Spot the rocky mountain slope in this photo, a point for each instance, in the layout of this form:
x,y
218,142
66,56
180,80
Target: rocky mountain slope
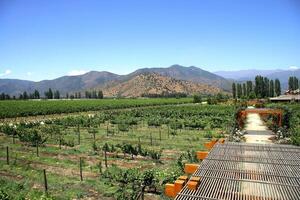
x,y
154,83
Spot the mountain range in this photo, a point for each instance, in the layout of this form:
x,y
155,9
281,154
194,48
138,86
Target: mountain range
x,y
173,79
244,75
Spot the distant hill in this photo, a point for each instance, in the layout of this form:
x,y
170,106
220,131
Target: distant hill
x,y
244,75
154,83
192,73
95,79
63,84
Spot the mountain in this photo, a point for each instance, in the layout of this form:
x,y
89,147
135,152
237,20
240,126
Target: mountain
x,y
192,73
95,79
64,84
154,83
245,74
283,76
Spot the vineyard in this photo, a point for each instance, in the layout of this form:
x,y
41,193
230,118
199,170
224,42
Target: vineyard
x,y
110,154
19,108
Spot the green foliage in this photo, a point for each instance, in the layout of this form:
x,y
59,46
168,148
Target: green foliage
x,y
31,108
32,136
4,195
123,127
197,98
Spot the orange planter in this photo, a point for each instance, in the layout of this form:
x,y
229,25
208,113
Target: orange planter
x,y
190,168
183,178
195,178
221,140
209,145
170,190
192,185
201,155
178,185
214,141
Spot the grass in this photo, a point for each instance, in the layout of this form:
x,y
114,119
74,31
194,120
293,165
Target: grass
x,y
62,165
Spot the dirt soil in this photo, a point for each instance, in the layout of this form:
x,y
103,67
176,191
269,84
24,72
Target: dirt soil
x,y
257,131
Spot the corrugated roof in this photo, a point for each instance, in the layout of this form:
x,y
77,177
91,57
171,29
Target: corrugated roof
x,y
234,171
285,98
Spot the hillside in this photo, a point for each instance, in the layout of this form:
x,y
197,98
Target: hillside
x,y
193,74
63,84
153,83
95,79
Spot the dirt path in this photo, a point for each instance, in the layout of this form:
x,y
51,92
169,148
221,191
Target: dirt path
x,y
256,130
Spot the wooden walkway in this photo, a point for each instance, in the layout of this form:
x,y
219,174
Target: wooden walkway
x,y
242,171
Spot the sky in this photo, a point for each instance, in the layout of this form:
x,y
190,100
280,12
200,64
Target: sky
x,y
51,38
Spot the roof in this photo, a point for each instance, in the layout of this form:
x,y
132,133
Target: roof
x,y
287,97
234,171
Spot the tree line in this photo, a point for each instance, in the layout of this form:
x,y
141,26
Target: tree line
x,y
262,88
294,83
53,94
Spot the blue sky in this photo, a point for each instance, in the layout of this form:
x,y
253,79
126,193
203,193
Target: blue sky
x,y
50,38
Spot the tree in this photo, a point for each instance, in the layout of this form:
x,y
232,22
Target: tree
x,y
249,87
25,95
94,94
252,95
67,95
234,90
239,90
36,94
245,94
272,91
266,85
293,83
259,86
56,95
100,94
79,95
49,94
2,96
197,98
277,87
88,95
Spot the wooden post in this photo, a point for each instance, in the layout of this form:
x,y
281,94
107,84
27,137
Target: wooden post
x,y
151,142
78,131
78,138
37,148
107,130
143,190
100,167
105,157
7,155
159,134
80,166
60,143
45,181
168,130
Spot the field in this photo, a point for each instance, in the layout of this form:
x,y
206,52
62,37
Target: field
x,y
19,108
120,151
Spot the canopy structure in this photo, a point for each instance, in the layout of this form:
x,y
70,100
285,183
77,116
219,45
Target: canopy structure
x,y
243,171
261,111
